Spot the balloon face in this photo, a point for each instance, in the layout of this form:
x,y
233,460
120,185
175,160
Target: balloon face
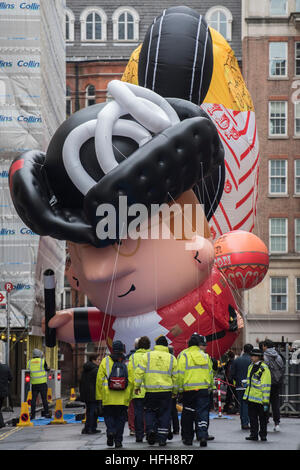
x,y
243,259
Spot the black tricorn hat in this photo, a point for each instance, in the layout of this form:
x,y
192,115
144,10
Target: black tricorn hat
x,y
185,155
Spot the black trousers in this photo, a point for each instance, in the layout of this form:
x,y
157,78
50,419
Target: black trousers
x,y
139,414
115,417
258,419
91,415
158,413
275,402
196,404
36,389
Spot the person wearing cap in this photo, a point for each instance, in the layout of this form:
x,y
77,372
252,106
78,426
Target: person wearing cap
x,y
257,395
114,402
195,381
138,400
38,378
158,371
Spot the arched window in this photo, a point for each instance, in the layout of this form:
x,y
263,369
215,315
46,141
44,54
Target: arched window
x,y
220,18
93,24
90,95
68,102
69,24
125,24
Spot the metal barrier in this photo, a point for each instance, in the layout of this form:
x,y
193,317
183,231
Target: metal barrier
x,y
290,397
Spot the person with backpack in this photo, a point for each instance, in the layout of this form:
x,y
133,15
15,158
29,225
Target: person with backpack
x,y
276,365
114,386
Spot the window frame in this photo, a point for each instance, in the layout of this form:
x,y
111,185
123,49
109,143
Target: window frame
x,y
286,294
136,22
286,177
83,22
272,252
278,77
297,294
278,14
297,193
71,17
69,100
296,104
89,97
229,19
278,136
297,58
297,235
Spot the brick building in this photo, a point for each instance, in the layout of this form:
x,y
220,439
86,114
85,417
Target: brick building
x,y
271,68
100,39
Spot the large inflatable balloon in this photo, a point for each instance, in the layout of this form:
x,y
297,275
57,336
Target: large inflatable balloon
x,y
175,60
113,172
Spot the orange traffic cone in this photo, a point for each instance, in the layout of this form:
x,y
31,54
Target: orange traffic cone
x,y
72,395
29,398
24,416
49,396
58,414
179,408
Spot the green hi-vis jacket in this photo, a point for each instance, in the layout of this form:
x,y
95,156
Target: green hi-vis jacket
x,y
258,385
112,397
38,374
194,370
135,360
157,370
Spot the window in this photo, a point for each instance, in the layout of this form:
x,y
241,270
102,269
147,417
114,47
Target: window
x,y
278,176
220,18
278,59
125,24
277,118
68,102
278,235
93,24
279,293
297,235
297,176
297,6
90,96
278,7
66,298
69,24
297,58
298,294
297,118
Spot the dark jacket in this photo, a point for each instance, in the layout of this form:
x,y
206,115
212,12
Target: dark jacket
x,y
5,378
239,369
87,385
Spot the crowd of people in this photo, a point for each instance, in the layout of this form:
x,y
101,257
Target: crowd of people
x,y
148,386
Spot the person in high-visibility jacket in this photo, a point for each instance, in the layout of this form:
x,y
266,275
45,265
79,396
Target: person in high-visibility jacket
x,y
38,379
143,347
114,402
257,395
195,380
158,371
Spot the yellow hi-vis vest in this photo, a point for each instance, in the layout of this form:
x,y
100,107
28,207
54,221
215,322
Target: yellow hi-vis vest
x,y
194,370
38,374
135,360
158,371
112,397
259,385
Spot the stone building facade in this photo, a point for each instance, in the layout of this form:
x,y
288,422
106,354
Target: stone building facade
x,y
271,68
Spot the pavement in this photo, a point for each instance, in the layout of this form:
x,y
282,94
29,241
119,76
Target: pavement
x,y
226,430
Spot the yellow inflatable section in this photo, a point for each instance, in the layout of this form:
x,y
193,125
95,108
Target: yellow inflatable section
x,y
227,85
